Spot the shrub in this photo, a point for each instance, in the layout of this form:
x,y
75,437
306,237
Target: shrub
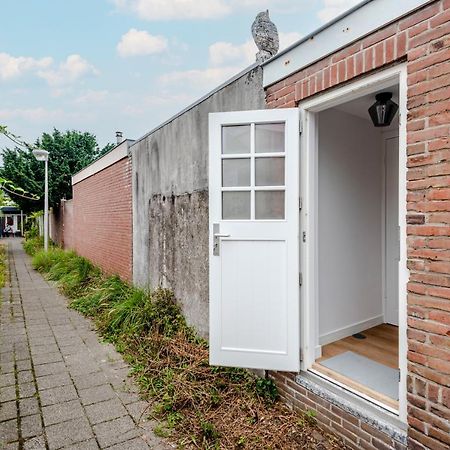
x,y
33,244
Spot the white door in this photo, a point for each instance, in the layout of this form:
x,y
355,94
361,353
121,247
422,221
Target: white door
x,y
392,230
254,247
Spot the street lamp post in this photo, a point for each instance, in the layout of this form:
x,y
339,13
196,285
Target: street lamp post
x,y
42,155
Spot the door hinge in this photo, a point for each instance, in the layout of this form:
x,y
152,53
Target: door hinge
x,y
300,279
300,204
301,354
300,127
304,236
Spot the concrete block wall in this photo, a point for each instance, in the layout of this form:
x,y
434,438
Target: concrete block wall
x,y
68,234
61,224
56,225
100,228
422,39
170,197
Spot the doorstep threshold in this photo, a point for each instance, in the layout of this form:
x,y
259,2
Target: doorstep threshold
x,y
356,388
370,413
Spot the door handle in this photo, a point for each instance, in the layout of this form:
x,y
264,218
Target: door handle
x,y
216,243
216,238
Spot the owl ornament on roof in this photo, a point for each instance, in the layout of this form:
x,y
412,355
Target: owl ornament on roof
x,y
265,34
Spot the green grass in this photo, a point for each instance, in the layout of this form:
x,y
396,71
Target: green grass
x,y
199,406
33,245
3,257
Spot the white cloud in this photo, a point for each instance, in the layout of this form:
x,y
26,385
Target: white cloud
x,y
203,79
242,55
175,9
91,96
72,69
223,53
225,60
272,5
135,42
163,101
168,98
12,66
201,9
38,114
68,71
332,8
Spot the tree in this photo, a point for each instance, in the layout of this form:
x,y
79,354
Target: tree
x,y
5,200
69,152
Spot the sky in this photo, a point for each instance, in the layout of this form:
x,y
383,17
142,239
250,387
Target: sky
x,y
128,65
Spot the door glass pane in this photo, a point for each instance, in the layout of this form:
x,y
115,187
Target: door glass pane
x,y
269,204
269,171
235,205
236,139
236,172
269,138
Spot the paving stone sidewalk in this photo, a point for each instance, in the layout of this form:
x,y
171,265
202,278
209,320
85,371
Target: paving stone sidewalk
x,y
60,387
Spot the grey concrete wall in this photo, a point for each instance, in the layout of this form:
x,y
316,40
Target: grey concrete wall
x,y
170,198
69,225
55,225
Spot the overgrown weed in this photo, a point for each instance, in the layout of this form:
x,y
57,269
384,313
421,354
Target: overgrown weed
x,y
33,244
200,406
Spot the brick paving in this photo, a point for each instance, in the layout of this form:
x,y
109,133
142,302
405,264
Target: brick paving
x,y
60,387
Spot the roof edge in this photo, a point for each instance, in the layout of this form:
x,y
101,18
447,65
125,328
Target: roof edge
x,y
317,31
358,22
117,153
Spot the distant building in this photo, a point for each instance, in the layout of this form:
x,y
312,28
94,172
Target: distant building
x,y
11,215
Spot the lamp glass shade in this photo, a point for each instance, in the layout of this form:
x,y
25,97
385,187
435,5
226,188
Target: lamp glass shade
x,y
40,155
383,110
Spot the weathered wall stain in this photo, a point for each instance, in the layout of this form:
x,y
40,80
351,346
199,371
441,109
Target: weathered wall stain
x,y
170,198
178,250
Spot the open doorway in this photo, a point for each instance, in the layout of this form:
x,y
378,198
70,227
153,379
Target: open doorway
x,y
354,300
358,249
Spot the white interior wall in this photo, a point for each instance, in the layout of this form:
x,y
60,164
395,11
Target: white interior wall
x,y
349,225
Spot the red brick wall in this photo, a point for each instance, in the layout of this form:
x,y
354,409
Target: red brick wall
x,y
422,39
355,432
102,219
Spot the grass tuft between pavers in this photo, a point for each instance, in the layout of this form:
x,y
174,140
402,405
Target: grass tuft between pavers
x,y
198,405
3,257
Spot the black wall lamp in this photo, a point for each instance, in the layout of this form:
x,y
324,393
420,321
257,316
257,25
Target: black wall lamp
x,y
383,110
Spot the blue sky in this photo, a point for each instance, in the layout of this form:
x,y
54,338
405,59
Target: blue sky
x,y
107,65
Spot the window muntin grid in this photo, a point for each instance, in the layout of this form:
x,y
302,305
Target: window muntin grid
x,y
253,158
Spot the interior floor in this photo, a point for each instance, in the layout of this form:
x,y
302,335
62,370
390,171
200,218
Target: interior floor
x,y
380,345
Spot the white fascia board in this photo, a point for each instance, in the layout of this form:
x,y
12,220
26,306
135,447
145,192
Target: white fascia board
x,y
360,21
116,154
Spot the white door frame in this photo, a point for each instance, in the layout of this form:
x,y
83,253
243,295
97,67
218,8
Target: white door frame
x,y
308,220
390,134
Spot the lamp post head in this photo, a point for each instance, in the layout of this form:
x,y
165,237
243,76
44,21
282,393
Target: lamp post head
x,y
40,155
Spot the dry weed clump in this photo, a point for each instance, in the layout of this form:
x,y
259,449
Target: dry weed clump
x,y
199,406
215,407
